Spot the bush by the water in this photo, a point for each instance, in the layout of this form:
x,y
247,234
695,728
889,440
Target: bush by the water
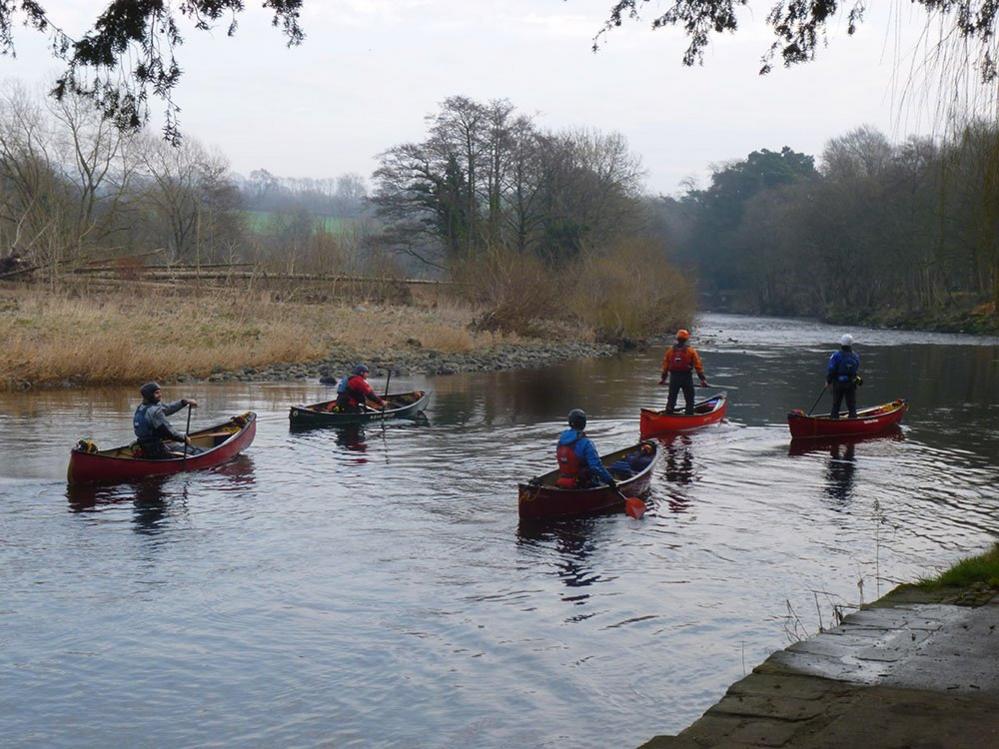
x,y
632,292
627,291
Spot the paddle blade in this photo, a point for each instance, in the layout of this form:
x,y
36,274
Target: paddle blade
x,y
634,507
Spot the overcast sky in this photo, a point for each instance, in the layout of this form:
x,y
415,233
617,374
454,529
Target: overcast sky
x,y
370,70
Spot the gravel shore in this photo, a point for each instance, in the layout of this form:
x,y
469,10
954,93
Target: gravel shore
x,y
416,360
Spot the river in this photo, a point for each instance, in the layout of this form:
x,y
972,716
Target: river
x,y
377,589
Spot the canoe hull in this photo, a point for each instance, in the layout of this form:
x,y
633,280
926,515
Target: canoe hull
x,y
541,500
100,467
707,412
869,421
314,416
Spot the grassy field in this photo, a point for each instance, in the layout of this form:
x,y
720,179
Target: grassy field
x,y
50,338
260,222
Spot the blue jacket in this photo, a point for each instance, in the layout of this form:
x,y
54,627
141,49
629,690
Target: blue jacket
x,y
586,453
843,367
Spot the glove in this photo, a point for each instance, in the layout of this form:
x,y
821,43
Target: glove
x,y
859,380
704,383
612,484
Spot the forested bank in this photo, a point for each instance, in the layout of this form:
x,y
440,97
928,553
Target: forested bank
x,y
899,234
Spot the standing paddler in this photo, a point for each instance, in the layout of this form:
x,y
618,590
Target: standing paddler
x,y
679,364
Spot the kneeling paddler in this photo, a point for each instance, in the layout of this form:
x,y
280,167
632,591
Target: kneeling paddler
x,y
579,464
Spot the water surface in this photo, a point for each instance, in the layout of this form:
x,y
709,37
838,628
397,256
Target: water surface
x,y
376,588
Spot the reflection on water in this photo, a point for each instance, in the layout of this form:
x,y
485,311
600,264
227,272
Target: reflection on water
x,y
374,587
156,498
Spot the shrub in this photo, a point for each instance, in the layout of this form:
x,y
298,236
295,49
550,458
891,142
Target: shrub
x,y
632,291
513,288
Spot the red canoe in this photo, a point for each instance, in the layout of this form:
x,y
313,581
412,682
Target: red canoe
x,y
710,411
868,421
221,443
540,499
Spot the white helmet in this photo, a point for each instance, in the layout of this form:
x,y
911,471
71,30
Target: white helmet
x,y
846,340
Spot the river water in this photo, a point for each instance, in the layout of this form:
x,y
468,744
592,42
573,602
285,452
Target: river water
x,y
377,589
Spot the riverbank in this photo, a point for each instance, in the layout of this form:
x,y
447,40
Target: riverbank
x,y
918,667
979,320
61,341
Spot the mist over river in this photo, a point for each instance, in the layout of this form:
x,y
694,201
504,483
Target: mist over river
x,y
376,588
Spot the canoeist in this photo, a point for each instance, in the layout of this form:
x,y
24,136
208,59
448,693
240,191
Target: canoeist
x,y
157,437
357,392
843,374
579,464
679,363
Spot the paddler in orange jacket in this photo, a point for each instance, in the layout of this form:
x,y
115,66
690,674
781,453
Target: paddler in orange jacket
x,y
680,363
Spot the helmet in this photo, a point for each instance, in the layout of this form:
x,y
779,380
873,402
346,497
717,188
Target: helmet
x,y
846,340
577,418
148,389
361,369
682,334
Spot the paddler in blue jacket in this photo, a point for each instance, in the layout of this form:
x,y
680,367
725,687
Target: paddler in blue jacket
x,y
579,464
843,374
152,427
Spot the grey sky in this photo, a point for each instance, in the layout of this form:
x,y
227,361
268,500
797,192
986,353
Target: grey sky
x,y
370,70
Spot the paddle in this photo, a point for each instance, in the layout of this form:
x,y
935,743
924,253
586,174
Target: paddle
x,y
826,387
633,506
187,433
388,379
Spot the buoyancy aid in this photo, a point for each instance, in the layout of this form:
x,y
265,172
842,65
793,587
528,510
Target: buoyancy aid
x,y
844,366
570,468
680,359
144,431
355,393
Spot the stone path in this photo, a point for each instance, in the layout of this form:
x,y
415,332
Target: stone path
x,y
917,675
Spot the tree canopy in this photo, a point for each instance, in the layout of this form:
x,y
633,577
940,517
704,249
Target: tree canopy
x,y
129,51
799,26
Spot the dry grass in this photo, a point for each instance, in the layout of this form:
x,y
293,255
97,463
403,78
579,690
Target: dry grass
x,y
110,339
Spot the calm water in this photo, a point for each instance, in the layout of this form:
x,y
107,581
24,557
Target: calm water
x,y
377,589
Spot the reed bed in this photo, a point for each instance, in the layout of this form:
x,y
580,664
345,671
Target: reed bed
x,y
103,339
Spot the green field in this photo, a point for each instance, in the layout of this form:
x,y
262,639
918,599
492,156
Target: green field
x,y
261,222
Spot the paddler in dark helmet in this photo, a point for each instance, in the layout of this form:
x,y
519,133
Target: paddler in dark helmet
x,y
843,373
157,437
579,464
680,362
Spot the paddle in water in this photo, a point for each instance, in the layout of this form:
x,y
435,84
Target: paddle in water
x,y
633,506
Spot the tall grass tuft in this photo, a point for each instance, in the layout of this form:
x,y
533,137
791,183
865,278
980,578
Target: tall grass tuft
x,y
983,568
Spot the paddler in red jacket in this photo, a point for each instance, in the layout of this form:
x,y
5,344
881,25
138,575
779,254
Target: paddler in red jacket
x,y
358,392
680,363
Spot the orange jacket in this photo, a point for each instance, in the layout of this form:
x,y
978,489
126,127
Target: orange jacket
x,y
682,359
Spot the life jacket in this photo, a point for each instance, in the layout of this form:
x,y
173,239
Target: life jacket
x,y
570,469
846,365
140,423
352,395
680,359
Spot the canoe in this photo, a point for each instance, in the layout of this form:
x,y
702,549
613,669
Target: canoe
x,y
868,421
221,443
540,499
398,406
709,411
